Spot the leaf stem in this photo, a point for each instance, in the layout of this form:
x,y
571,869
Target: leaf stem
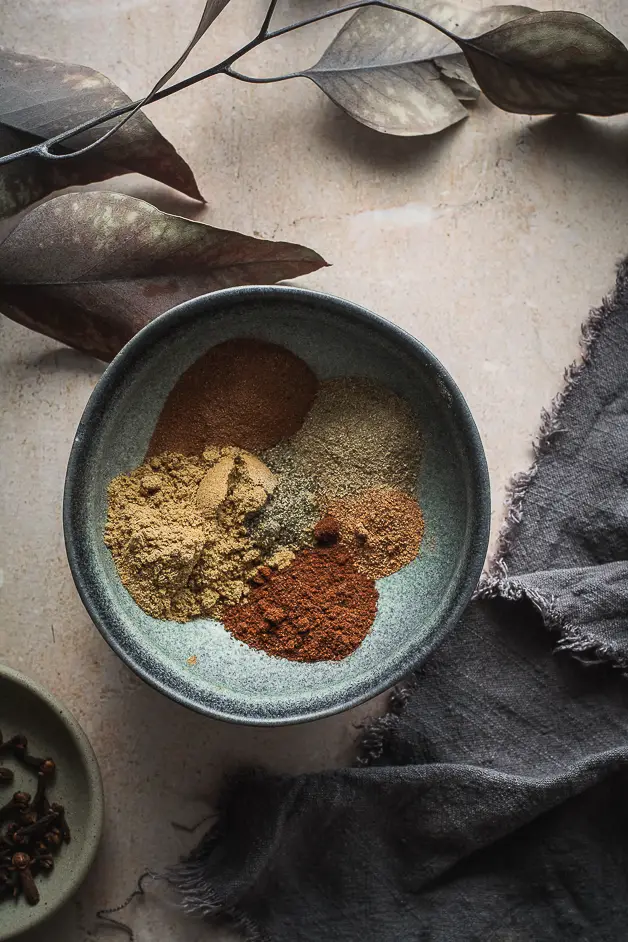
x,y
266,24
349,7
254,80
264,35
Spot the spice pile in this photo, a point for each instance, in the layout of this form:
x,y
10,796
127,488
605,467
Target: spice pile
x,y
247,393
177,530
270,501
31,830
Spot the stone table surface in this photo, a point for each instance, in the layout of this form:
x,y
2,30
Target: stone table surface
x,y
489,242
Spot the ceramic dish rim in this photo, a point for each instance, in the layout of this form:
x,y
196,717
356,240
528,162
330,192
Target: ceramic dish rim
x,y
208,305
82,863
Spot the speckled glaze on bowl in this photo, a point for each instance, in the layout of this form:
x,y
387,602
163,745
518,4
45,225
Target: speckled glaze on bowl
x,y
27,708
417,606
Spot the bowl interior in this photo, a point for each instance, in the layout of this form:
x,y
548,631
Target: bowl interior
x,y
416,605
51,731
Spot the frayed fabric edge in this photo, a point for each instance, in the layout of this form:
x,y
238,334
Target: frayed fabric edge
x,y
513,590
187,883
496,582
551,425
188,880
573,638
188,877
589,651
372,744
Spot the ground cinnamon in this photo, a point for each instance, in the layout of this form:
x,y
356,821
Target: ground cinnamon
x,y
242,392
318,609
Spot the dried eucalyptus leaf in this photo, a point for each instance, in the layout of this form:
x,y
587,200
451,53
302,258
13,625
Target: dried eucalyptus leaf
x,y
456,71
401,76
549,63
40,98
91,268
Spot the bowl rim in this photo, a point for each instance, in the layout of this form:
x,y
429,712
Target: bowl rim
x,y
82,863
214,302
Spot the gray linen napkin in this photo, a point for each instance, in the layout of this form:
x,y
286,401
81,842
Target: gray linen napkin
x,y
494,802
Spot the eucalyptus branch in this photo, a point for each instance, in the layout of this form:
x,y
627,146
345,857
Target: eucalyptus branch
x,y
43,150
269,15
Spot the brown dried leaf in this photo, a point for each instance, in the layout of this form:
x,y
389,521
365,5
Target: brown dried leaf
x,y
40,98
91,268
549,63
400,76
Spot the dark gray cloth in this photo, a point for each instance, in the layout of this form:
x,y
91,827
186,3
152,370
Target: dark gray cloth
x,y
495,803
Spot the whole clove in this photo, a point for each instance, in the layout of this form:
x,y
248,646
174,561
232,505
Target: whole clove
x,y
22,864
13,808
45,766
8,748
44,775
31,829
40,828
42,858
62,824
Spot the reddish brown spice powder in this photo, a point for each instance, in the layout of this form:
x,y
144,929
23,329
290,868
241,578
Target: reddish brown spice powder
x,y
318,609
243,392
327,530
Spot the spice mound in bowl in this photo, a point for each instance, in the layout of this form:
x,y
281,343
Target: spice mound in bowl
x,y
276,505
177,530
186,528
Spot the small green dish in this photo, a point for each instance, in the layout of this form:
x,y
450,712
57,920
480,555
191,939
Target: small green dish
x,y
199,663
27,708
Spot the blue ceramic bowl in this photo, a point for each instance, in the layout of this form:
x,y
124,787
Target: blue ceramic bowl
x,y
417,605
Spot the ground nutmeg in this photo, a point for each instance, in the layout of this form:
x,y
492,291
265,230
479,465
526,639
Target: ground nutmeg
x,y
243,392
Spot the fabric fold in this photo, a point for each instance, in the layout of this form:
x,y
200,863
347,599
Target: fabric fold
x,y
587,607
492,806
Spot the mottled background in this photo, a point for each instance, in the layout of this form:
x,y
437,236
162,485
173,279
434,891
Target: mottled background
x,y
488,242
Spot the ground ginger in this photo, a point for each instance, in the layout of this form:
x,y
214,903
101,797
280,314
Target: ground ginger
x,y
176,528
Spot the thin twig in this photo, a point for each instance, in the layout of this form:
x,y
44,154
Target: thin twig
x,y
201,29
254,80
265,34
105,914
266,24
396,8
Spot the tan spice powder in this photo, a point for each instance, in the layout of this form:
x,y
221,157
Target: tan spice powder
x,y
176,528
383,530
357,435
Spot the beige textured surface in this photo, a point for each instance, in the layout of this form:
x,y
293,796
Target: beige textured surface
x,y
489,243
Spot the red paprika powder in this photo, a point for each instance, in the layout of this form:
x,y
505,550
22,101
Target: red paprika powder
x,y
318,609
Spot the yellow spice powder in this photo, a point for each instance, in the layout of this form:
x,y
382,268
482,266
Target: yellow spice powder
x,y
176,528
